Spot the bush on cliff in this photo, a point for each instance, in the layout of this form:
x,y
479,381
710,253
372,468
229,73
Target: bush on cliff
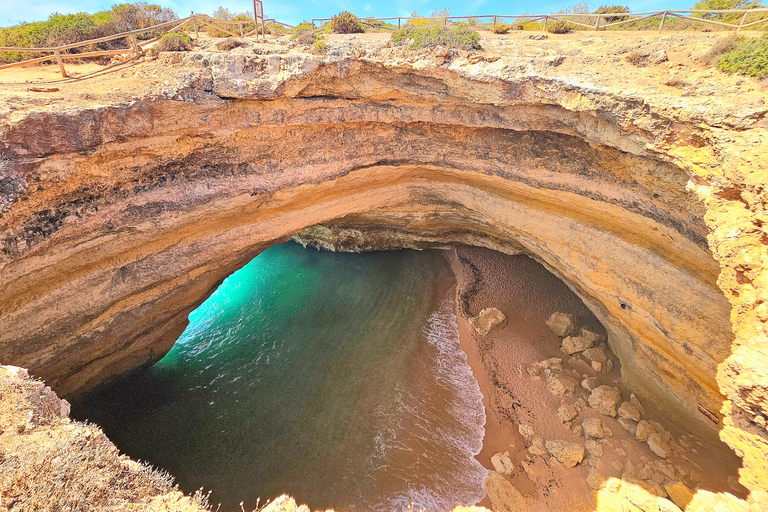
x,y
559,27
459,36
750,57
346,23
61,29
173,42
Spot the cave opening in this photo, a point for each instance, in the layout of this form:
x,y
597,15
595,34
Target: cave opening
x,y
361,382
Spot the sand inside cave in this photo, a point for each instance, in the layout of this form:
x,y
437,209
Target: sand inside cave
x,y
528,294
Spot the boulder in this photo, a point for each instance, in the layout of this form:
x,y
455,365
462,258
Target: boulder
x,y
605,399
488,319
590,383
585,339
569,454
566,412
629,411
593,428
502,463
595,354
628,425
594,448
561,384
644,429
634,401
537,447
503,495
679,493
659,444
562,324
658,57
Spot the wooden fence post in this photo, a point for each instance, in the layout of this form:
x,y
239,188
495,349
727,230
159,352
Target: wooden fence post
x,y
544,28
494,22
663,17
240,26
398,23
57,53
135,46
597,22
741,23
195,19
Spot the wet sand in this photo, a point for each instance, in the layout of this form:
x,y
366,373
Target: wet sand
x,y
528,294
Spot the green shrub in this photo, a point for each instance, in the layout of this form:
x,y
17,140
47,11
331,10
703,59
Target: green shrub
x,y
722,46
559,27
320,47
750,57
305,37
610,9
60,29
500,28
346,23
459,36
173,42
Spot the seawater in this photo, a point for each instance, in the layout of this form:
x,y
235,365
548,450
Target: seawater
x,y
335,378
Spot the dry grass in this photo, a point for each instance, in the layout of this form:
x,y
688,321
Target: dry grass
x,y
719,48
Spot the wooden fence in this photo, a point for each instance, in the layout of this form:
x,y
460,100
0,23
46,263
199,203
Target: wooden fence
x,y
594,21
136,46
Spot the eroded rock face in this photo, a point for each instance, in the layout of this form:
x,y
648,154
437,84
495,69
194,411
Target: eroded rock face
x,y
118,220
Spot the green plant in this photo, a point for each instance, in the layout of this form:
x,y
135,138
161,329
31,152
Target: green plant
x,y
610,9
719,48
558,27
346,23
458,36
305,37
320,47
500,28
750,57
173,42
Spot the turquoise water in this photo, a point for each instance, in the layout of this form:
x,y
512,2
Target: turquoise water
x,y
336,378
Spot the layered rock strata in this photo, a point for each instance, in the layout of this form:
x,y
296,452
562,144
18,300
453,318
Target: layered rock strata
x,y
119,219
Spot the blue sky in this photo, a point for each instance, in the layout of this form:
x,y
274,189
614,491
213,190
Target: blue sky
x,y
293,11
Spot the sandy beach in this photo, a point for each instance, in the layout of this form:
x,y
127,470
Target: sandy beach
x,y
514,395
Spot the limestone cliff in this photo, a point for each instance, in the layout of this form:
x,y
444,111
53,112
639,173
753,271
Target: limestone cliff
x,y
120,216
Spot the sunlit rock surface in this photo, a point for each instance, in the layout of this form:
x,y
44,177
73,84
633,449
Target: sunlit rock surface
x,y
120,217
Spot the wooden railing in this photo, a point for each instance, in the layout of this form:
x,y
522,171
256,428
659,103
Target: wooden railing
x,y
136,47
595,21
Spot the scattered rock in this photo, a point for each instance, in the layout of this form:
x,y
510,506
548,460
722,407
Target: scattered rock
x,y
590,383
535,37
593,428
566,412
658,57
598,367
574,344
605,399
659,445
594,479
595,354
561,385
629,411
537,447
569,454
679,493
502,463
594,448
634,401
628,425
525,430
503,495
554,60
562,324
488,319
644,430
578,430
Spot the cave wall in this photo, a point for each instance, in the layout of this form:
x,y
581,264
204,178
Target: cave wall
x,y
119,220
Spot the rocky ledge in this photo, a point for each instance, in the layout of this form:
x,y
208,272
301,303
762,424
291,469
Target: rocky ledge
x,y
123,207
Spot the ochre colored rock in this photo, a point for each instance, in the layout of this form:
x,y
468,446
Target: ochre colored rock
x,y
487,320
567,453
503,495
562,324
605,399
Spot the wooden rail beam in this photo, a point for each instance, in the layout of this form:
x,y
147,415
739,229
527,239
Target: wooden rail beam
x,y
57,53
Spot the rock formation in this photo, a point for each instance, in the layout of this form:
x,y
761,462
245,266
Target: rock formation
x,y
120,217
